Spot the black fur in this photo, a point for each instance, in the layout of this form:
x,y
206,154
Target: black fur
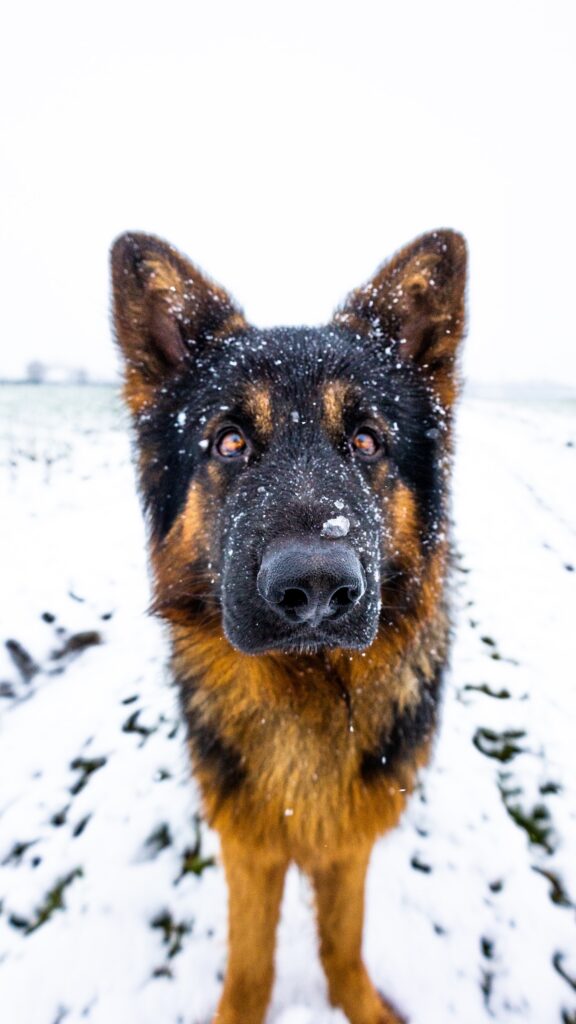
x,y
409,731
210,750
218,757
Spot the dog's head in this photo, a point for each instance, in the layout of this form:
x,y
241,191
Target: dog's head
x,y
294,478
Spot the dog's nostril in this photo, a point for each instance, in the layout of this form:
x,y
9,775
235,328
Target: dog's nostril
x,y
344,597
293,598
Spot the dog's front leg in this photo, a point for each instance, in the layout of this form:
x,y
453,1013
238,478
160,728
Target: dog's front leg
x,y
255,885
339,891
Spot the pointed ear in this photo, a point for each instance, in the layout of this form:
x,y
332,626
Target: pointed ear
x,y
164,311
416,301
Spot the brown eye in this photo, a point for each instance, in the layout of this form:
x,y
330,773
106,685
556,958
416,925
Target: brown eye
x,y
231,444
366,444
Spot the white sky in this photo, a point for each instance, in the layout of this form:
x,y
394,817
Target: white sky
x,y
288,148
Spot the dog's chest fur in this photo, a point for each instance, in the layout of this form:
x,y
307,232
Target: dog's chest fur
x,y
307,752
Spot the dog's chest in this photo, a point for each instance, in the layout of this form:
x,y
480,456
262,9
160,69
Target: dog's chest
x,y
299,768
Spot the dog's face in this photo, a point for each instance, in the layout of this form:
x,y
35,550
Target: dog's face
x,y
294,479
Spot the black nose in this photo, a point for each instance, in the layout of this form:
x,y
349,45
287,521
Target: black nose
x,y
310,581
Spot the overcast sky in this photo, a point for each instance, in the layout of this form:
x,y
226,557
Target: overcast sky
x,y
288,148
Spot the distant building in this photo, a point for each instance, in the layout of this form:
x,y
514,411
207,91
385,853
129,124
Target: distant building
x,y
38,372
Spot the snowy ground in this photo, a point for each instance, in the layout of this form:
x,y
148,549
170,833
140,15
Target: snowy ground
x,y
112,906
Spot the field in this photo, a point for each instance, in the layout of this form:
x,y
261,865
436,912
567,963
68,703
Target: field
x,y
112,901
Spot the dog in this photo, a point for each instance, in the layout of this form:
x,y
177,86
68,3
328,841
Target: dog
x,y
296,487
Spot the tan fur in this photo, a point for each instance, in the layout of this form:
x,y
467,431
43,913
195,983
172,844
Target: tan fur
x,y
255,883
259,406
333,399
159,298
418,298
339,893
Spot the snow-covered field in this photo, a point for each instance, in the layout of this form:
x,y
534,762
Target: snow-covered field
x,y
112,903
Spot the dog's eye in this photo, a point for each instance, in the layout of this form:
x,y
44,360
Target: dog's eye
x,y
366,444
231,444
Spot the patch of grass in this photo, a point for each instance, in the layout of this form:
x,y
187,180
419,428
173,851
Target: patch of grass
x,y
486,985
502,746
53,901
78,642
21,658
18,850
487,976
79,828
484,688
558,893
419,865
536,823
193,861
18,922
59,818
488,641
86,766
173,932
558,964
162,972
159,839
133,725
550,788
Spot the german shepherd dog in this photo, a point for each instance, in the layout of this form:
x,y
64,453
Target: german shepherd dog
x,y
295,482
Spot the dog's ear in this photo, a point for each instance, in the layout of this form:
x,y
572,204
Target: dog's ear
x,y
416,304
165,311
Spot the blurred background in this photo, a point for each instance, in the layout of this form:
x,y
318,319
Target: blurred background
x,y
288,148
